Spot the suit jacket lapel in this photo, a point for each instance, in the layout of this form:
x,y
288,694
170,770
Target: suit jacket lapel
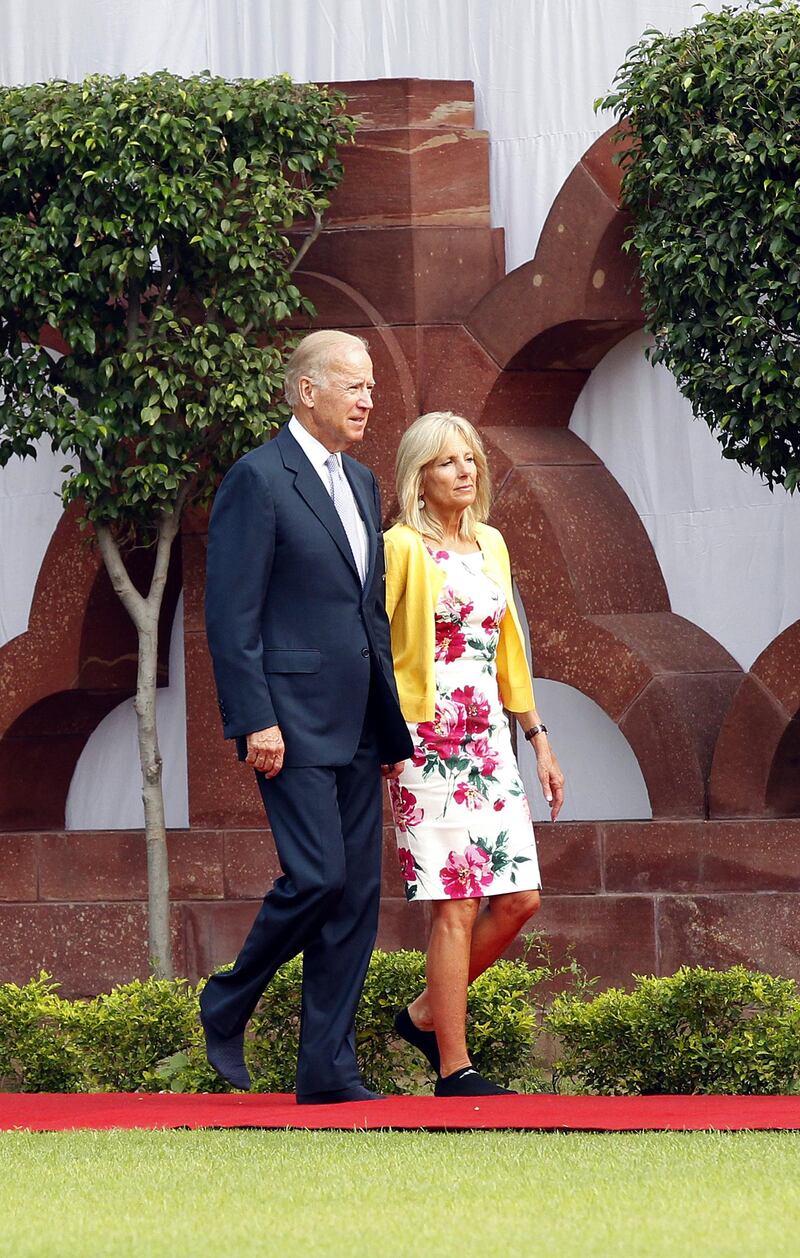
x,y
308,484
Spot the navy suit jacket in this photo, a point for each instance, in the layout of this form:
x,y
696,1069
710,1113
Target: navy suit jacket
x,y
294,639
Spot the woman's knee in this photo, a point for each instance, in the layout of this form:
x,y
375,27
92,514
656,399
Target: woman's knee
x,y
455,916
518,906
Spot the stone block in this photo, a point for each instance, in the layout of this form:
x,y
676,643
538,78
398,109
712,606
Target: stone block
x,y
612,936
749,737
776,668
432,176
597,532
398,275
98,865
251,863
87,948
569,858
379,103
701,856
214,933
758,930
668,643
598,161
672,726
195,864
19,867
575,299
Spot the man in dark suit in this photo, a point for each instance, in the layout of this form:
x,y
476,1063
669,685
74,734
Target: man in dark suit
x,y
302,659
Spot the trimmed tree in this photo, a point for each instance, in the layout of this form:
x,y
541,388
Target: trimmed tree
x,y
144,219
710,151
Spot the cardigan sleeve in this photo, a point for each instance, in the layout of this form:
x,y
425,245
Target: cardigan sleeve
x,y
513,671
396,554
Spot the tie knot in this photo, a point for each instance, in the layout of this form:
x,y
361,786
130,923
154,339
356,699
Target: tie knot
x,y
332,463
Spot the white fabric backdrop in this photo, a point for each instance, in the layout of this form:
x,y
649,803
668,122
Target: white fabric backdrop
x,y
724,542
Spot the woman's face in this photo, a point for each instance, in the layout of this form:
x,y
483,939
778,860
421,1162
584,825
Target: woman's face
x,y
449,482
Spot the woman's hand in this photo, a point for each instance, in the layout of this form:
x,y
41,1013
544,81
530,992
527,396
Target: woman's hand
x,y
549,774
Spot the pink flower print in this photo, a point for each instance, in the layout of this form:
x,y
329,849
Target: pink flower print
x,y
406,864
446,732
484,755
476,708
466,793
452,607
499,805
419,757
492,623
450,641
465,876
404,806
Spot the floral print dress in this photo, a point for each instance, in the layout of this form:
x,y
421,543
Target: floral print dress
x,y
461,818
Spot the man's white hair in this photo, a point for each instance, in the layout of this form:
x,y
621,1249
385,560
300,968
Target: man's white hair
x,y
313,357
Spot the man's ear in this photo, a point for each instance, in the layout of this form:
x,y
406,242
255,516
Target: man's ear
x,y
305,387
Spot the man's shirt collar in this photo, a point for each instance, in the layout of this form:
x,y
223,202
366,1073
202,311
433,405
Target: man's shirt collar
x,y
316,453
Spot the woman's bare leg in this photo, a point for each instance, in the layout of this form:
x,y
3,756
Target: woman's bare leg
x,y
448,976
496,927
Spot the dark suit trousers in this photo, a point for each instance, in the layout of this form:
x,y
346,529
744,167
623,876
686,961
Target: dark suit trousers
x,y
327,826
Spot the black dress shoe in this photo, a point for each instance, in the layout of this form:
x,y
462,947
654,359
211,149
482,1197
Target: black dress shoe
x,y
467,1082
355,1093
425,1041
226,1054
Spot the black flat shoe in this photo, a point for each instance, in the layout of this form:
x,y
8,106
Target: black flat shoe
x,y
226,1054
342,1095
425,1041
467,1082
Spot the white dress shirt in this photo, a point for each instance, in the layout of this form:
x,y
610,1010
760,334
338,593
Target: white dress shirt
x,y
318,455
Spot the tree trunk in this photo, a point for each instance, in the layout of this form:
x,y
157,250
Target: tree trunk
x,y
145,613
158,933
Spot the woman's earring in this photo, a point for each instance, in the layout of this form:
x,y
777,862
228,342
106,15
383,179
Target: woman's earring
x,y
421,503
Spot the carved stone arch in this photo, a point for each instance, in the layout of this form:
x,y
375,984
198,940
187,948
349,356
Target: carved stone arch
x,y
756,768
74,663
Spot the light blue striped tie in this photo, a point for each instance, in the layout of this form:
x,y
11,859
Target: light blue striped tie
x,y
345,504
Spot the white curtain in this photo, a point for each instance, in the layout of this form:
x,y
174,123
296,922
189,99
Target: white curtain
x,y
724,542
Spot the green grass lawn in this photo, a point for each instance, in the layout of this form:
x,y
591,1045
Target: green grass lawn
x,y
241,1193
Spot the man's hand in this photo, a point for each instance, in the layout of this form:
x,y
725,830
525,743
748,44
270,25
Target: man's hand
x,y
393,770
265,751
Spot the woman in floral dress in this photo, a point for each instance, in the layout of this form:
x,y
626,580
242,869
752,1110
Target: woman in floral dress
x,y
462,821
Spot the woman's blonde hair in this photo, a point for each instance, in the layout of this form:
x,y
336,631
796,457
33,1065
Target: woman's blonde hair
x,y
420,444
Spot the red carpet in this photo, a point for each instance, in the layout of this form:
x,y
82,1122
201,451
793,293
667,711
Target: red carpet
x,y
57,1112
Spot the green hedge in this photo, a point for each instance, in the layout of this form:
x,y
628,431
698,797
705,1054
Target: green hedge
x,y
733,1031
146,1036
697,1031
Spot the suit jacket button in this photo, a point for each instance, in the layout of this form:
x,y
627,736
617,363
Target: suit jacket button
x,y
365,651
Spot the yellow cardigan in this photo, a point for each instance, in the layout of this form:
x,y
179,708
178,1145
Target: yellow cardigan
x,y
413,584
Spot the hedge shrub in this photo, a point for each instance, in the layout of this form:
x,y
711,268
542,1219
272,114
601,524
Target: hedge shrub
x,y
697,1031
146,1035
37,1051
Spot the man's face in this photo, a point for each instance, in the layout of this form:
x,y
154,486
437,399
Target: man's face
x,y
342,401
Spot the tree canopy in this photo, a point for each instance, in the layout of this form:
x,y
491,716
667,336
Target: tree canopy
x,y
145,220
710,153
